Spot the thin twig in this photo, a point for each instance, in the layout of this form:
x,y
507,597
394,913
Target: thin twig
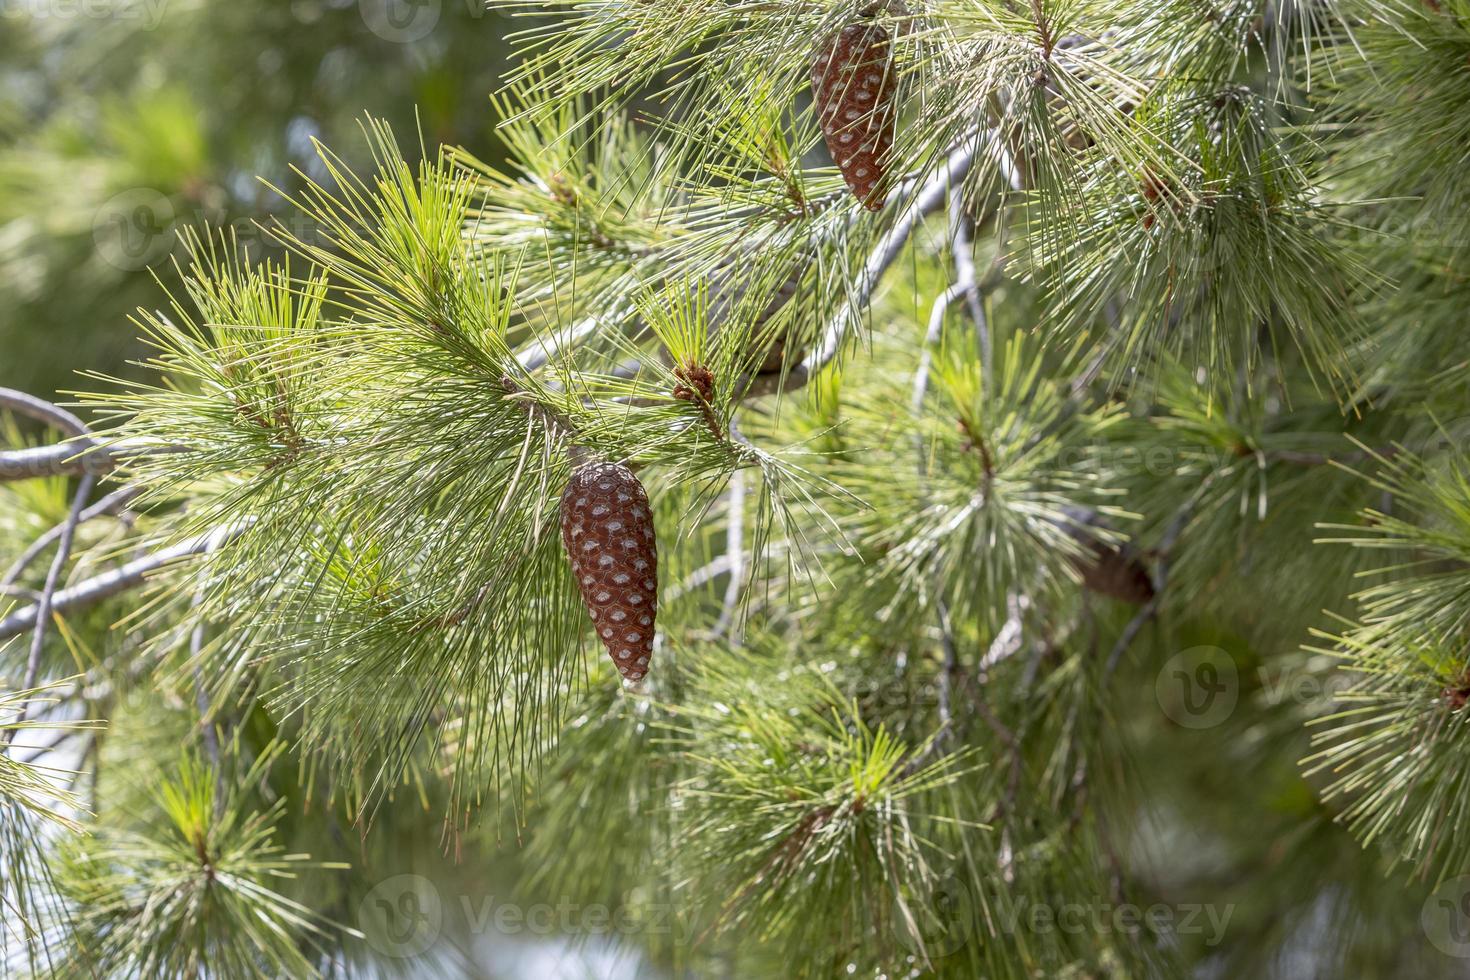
x,y
44,605
735,550
931,336
701,576
1009,638
965,282
134,573
944,695
927,199
80,457
1043,29
110,504
982,708
964,285
75,457
1160,580
42,411
950,668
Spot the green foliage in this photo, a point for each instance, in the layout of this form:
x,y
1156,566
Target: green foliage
x,y
1185,282
125,122
807,811
1393,750
1403,84
191,891
947,496
970,500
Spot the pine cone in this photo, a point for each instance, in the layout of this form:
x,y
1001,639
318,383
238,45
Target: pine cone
x,y
1115,571
607,530
852,86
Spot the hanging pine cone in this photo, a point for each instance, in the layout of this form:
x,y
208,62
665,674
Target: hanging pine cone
x,y
1115,571
607,531
852,87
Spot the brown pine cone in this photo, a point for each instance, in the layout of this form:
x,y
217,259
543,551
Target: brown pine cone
x,y
852,88
1115,571
607,531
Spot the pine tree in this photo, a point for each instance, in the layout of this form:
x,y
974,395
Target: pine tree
x,y
1061,537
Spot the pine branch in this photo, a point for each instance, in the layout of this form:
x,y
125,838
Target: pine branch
x,y
111,504
108,584
80,455
42,411
926,198
43,606
79,458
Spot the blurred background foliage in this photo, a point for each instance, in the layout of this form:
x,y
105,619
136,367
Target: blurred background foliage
x,y
124,121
